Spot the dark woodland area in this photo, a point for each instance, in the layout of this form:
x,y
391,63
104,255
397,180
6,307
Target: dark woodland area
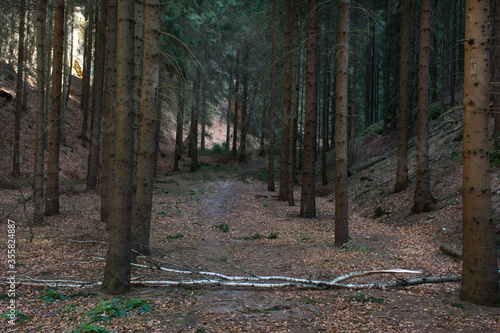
x,y
250,166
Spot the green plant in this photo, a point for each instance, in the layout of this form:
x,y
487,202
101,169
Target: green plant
x,y
200,329
262,175
367,299
218,149
176,236
435,112
223,227
51,295
105,311
378,130
19,316
90,328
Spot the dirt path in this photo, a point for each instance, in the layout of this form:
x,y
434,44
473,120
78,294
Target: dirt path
x,y
216,222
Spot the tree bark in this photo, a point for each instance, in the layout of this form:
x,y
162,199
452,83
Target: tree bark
x,y
87,63
480,268
293,103
326,102
423,200
229,105
272,102
285,103
496,76
353,116
236,105
179,127
98,87
19,90
117,271
193,135
404,100
148,125
341,164
41,9
244,107
308,200
52,197
108,124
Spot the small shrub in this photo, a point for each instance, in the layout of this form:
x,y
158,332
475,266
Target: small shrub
x,y
435,112
218,149
223,227
262,175
367,299
176,236
90,328
51,295
18,315
380,212
378,130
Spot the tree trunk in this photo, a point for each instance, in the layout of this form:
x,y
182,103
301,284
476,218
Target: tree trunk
x,y
496,76
480,267
453,60
293,103
236,105
341,188
68,66
325,104
285,104
87,63
272,102
308,200
19,90
52,197
41,8
244,106
203,114
179,127
148,124
193,135
98,87
423,199
404,100
117,271
229,105
353,116
108,124
387,48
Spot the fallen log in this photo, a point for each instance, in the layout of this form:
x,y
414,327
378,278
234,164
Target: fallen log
x,y
446,249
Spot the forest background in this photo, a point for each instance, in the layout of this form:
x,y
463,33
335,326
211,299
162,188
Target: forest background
x,y
322,90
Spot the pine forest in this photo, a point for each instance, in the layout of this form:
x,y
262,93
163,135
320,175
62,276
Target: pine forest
x,y
250,166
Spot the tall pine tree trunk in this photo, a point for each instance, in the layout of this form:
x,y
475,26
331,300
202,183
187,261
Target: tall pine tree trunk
x,y
179,127
117,271
480,268
404,100
341,163
148,125
293,104
423,199
108,123
52,197
308,200
41,8
496,75
236,105
19,90
98,87
353,116
285,104
193,134
272,102
244,109
87,63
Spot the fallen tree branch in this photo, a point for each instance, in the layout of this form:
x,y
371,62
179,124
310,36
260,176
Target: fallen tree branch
x,y
253,282
446,249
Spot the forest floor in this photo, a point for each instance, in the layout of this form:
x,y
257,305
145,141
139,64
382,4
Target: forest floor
x,y
222,219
